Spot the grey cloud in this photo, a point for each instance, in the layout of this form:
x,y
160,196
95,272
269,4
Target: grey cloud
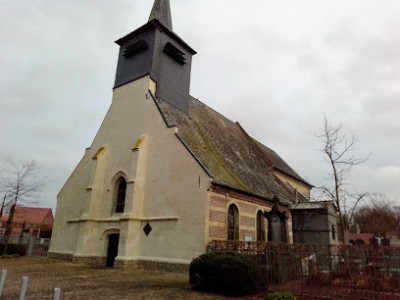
x,y
275,67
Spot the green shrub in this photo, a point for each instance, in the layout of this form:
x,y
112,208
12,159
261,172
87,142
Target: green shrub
x,y
280,296
225,273
9,256
14,249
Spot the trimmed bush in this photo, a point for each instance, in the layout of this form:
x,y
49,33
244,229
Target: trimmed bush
x,y
14,249
225,273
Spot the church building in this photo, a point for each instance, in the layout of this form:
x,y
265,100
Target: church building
x,y
166,174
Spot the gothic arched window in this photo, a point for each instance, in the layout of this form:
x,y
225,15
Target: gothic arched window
x,y
120,195
233,223
260,227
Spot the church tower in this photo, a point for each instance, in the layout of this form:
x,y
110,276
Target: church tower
x,y
128,200
155,50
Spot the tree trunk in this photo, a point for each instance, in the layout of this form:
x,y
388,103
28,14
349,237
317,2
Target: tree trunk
x,y
8,229
2,207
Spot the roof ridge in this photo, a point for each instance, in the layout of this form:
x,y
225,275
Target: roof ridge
x,y
212,109
295,175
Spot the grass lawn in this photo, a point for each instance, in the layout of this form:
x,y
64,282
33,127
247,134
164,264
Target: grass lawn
x,y
82,282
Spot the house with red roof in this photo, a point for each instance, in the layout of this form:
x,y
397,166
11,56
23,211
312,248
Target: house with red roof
x,y
30,221
362,238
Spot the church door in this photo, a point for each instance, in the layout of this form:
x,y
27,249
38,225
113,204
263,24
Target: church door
x,y
113,241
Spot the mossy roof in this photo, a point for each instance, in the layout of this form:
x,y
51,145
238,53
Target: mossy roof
x,y
225,150
280,164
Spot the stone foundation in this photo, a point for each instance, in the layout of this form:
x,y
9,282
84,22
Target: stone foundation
x,y
61,256
151,265
97,261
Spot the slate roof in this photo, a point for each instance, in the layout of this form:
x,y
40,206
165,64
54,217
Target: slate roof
x,y
230,156
280,164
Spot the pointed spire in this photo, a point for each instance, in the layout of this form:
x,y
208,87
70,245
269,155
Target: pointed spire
x,y
162,12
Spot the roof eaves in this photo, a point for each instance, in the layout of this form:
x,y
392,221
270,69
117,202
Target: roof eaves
x,y
299,178
161,111
194,156
156,24
250,194
284,185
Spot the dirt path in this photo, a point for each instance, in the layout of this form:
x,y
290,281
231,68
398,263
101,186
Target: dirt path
x,y
82,282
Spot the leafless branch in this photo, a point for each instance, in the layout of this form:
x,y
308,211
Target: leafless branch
x,y
338,146
22,182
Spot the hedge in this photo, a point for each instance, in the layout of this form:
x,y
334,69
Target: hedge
x,y
226,273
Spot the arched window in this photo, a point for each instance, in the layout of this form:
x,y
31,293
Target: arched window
x,y
233,223
120,196
260,227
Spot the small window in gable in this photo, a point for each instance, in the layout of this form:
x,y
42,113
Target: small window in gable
x,y
120,195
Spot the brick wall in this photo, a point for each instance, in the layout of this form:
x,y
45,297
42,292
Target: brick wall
x,y
248,206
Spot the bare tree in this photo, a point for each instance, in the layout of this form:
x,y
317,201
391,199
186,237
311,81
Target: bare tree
x,y
339,148
379,217
22,183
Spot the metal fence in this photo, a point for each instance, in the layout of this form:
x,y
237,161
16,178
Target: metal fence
x,y
324,271
34,246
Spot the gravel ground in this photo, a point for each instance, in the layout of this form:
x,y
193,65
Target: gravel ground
x,y
82,282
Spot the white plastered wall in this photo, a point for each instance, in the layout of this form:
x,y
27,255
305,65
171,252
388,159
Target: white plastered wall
x,y
166,187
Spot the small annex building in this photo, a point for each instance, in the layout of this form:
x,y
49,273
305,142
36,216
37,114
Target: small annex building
x,y
166,174
315,223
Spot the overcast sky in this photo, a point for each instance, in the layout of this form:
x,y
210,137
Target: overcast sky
x,y
274,66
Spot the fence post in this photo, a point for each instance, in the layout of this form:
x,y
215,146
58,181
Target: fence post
x,y
31,242
57,292
23,287
3,279
265,262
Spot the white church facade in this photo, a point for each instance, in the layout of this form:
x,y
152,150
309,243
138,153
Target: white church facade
x,y
166,174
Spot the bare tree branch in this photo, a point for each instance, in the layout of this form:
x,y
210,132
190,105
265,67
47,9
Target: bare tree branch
x,y
338,146
21,182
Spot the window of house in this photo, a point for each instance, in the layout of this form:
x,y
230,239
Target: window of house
x,y
120,196
233,223
260,227
333,232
